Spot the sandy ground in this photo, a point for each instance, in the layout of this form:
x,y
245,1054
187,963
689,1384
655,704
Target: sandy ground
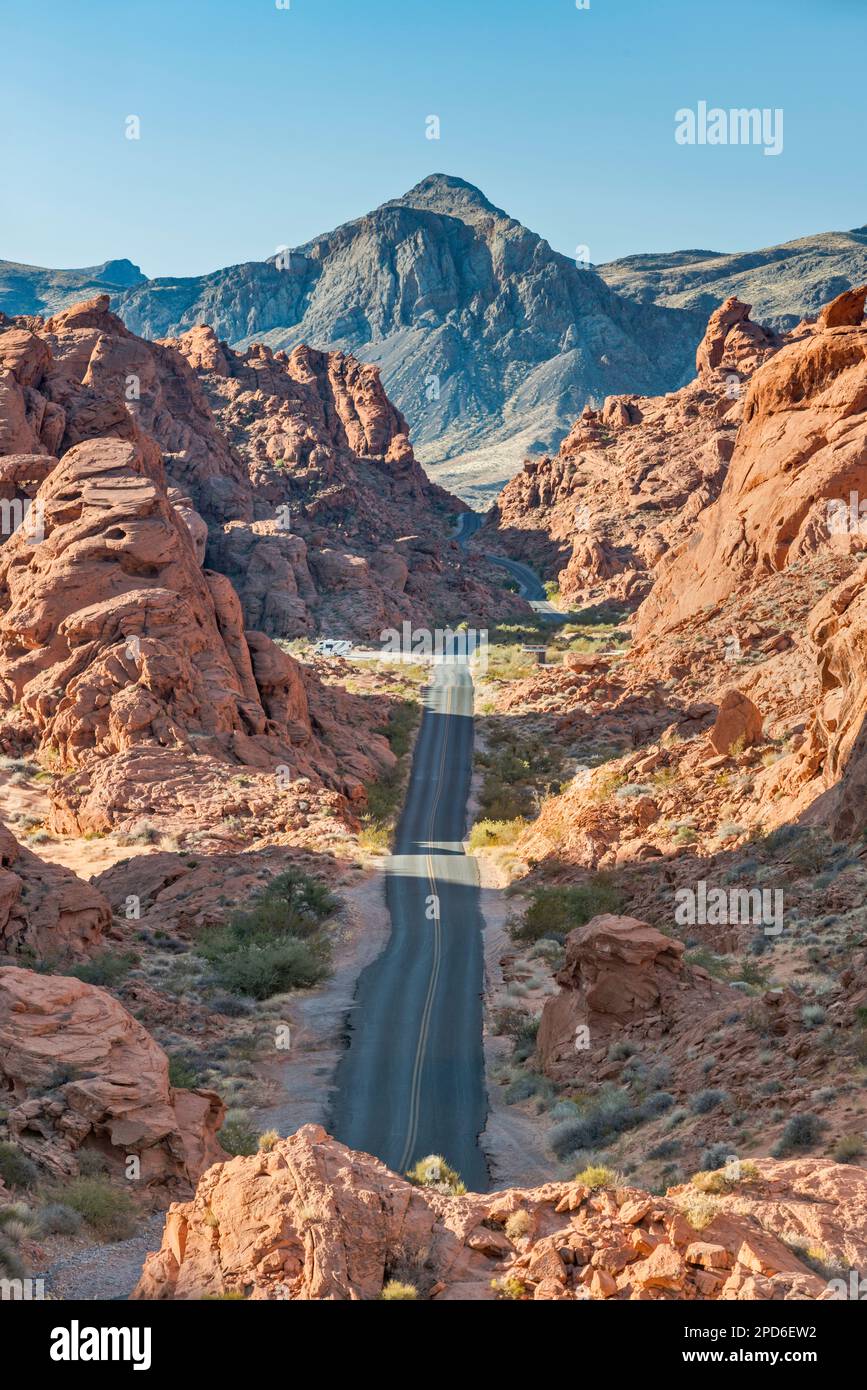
x,y
27,796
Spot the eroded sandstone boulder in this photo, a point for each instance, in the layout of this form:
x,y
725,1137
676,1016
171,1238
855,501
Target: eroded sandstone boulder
x,y
78,1072
47,910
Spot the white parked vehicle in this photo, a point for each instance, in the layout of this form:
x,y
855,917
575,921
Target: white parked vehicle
x,y
332,646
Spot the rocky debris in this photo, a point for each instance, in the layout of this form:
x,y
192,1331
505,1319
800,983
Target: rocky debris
x,y
738,722
45,910
630,478
79,1073
248,1232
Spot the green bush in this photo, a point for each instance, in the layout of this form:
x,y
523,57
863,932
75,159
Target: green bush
x,y
16,1169
238,1137
57,1219
554,912
181,1073
106,969
107,1209
801,1132
278,944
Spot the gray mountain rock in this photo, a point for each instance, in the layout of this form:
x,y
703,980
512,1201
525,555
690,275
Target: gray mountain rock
x,y
33,289
783,283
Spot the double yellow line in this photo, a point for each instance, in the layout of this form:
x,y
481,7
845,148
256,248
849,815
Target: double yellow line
x,y
424,1029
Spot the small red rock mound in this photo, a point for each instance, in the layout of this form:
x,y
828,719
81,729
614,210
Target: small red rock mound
x,y
618,974
250,1228
46,909
738,723
78,1072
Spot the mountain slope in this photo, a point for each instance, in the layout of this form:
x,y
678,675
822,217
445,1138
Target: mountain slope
x,y
486,337
32,289
782,283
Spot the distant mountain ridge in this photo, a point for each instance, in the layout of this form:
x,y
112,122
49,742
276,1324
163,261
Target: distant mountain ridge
x,y
784,284
32,289
489,341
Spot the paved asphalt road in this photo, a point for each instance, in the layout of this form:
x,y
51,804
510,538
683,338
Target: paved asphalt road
x,y
412,1080
529,584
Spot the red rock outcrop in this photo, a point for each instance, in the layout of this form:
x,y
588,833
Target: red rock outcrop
x,y
249,1231
45,909
79,1073
620,977
800,452
631,477
345,531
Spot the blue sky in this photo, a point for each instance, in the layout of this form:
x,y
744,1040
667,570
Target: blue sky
x,y
262,127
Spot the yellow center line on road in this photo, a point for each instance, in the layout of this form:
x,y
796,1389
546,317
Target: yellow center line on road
x,y
424,1029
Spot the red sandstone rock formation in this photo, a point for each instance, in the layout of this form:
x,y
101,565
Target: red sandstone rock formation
x,y
630,479
313,1220
79,1073
46,909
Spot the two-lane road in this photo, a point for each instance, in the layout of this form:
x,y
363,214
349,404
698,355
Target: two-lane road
x,y
529,584
412,1080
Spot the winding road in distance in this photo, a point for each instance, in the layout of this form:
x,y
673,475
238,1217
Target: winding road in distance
x,y
412,1079
529,584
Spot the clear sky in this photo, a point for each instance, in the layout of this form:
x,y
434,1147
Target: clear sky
x,y
263,126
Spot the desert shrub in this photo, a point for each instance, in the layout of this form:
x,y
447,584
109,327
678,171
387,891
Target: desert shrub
x,y
509,1287
238,1137
16,1169
812,1015
847,1148
596,1175
597,1122
554,912
181,1073
801,1132
657,1104
704,1101
402,719
15,1223
713,1182
715,1157
107,969
700,1211
523,1087
395,1292
434,1172
666,1148
58,1219
518,1224
278,944
107,1209
268,1140
91,1162
487,834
